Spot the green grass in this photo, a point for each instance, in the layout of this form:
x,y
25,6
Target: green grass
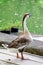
x,y
12,11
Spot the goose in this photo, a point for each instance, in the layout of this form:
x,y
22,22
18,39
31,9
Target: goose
x,y
22,41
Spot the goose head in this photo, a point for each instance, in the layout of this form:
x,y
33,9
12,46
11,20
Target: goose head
x,y
26,16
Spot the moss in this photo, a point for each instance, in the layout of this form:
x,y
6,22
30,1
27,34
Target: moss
x,y
34,51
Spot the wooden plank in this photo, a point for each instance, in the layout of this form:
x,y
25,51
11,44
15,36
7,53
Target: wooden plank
x,y
7,37
38,38
34,59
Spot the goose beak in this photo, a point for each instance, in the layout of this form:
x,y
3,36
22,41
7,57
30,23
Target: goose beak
x,y
29,15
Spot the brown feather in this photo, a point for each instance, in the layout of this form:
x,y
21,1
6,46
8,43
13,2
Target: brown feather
x,y
18,43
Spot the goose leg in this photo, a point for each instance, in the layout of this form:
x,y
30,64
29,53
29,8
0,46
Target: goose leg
x,y
22,57
17,55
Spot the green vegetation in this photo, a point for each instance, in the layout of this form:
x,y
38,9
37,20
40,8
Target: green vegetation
x,y
12,11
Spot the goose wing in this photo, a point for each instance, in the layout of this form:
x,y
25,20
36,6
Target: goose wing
x,y
18,42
